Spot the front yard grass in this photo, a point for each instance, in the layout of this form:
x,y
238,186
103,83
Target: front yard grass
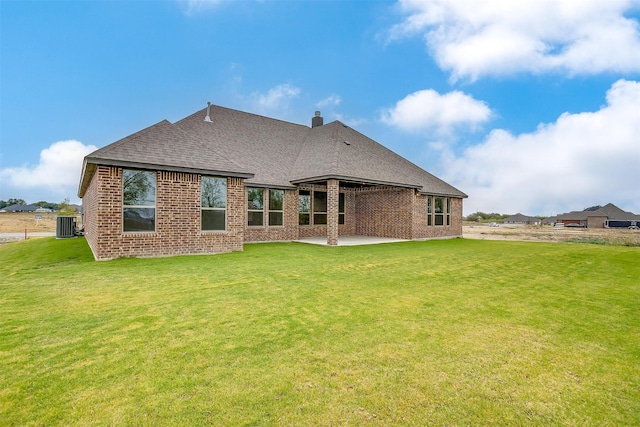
x,y
456,332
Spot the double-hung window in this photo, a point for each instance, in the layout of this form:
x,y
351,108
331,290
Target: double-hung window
x,y
429,210
214,203
319,207
276,207
255,206
304,207
138,200
438,209
341,208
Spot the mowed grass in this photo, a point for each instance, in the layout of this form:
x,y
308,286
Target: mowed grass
x,y
457,332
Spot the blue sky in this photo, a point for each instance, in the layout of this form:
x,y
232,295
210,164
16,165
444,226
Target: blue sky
x,y
528,106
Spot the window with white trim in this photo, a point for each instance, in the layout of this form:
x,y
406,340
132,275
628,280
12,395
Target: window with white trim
x,y
213,203
429,210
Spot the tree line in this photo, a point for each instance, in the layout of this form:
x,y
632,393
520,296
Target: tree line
x,y
490,217
41,204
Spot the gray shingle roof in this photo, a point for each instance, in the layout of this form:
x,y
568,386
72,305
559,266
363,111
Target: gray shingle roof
x,y
268,152
611,211
520,218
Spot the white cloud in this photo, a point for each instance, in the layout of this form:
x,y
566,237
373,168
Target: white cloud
x,y
579,160
427,110
194,6
54,178
276,98
331,100
472,39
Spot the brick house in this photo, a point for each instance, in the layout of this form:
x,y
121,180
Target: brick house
x,y
607,216
221,177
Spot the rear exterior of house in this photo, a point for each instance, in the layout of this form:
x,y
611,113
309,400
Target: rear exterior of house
x,y
221,178
607,216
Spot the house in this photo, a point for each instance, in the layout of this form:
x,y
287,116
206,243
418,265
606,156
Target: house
x,y
221,177
599,217
550,220
20,208
521,219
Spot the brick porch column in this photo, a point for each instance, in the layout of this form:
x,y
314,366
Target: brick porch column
x,y
333,186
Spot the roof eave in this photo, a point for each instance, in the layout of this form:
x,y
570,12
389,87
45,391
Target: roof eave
x,y
351,179
438,193
90,164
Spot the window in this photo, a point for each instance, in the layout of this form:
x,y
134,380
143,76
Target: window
x,y
448,211
438,208
341,208
429,210
276,201
304,207
138,200
214,203
319,207
255,206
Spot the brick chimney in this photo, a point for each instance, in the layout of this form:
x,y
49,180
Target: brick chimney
x,y
317,120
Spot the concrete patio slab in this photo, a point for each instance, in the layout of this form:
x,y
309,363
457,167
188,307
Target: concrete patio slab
x,y
351,240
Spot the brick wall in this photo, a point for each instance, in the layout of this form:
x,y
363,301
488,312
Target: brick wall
x,y
384,212
287,232
177,218
373,211
423,231
596,221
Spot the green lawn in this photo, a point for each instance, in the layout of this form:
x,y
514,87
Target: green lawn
x,y
456,332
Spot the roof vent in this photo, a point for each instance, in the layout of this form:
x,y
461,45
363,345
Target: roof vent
x,y
317,120
208,117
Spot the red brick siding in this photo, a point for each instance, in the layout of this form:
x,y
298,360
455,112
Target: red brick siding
x,y
380,211
333,191
177,218
90,213
384,212
423,231
266,233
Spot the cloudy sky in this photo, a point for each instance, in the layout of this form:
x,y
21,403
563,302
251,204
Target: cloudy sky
x,y
527,106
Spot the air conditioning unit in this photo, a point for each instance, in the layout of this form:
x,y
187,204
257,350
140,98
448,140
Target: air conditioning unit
x,y
65,227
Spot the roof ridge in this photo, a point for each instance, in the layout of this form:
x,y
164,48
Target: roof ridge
x,y
203,113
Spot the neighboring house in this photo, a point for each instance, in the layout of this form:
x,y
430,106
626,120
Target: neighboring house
x,y
599,216
220,177
20,208
521,219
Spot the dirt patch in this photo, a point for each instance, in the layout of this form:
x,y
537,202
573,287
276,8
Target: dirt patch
x,y
17,222
602,236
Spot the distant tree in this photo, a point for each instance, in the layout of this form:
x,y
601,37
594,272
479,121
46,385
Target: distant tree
x,y
3,204
15,202
64,208
486,217
47,205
